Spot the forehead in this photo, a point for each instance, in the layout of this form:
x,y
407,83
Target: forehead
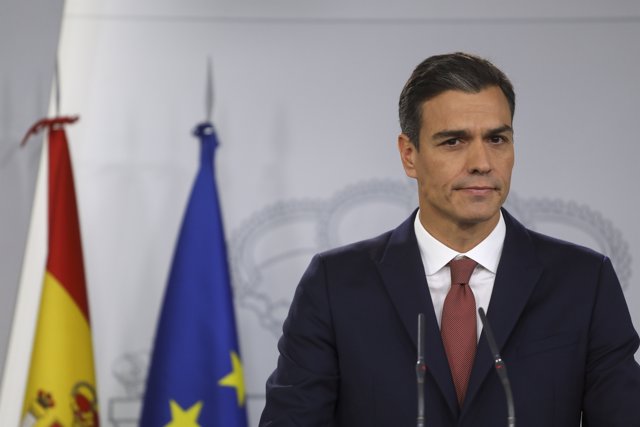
x,y
458,109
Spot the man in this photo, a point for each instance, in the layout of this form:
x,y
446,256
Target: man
x,y
348,350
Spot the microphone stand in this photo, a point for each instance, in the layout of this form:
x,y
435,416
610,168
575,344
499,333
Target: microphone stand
x,y
501,369
421,369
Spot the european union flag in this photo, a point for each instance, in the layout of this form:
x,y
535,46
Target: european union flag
x,y
195,378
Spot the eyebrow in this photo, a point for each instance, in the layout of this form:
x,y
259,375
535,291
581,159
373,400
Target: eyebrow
x,y
460,133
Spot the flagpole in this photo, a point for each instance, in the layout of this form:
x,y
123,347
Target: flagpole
x,y
209,93
57,87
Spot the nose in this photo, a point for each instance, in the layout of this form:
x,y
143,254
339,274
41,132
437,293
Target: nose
x,y
478,158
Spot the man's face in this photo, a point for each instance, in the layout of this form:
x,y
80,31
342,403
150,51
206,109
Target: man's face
x,y
464,161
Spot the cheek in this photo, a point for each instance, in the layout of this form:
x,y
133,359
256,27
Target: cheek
x,y
438,173
446,173
439,183
507,168
502,163
508,159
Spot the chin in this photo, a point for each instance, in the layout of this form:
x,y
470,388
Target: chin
x,y
479,216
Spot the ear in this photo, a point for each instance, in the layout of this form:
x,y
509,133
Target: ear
x,y
408,153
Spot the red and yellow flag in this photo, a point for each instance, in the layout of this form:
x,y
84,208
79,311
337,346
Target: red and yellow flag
x,y
61,389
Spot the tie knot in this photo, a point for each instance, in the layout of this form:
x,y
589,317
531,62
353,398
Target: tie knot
x,y
461,270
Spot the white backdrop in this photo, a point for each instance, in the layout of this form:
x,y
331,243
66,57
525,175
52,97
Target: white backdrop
x,y
306,112
29,33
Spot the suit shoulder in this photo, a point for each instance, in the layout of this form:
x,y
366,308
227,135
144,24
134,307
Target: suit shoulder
x,y
553,247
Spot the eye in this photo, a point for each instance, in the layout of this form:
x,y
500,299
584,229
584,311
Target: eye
x,y
452,142
498,139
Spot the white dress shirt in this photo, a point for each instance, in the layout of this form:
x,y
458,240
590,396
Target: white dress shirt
x,y
436,255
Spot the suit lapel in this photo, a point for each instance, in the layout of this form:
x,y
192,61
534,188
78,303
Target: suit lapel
x,y
405,281
518,272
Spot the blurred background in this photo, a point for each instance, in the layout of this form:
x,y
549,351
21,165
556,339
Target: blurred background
x,y
305,106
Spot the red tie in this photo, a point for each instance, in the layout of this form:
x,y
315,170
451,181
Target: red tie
x,y
458,326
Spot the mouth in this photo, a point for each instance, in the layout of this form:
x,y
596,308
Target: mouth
x,y
477,190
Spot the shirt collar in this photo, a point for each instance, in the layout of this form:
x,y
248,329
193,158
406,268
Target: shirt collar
x,y
436,254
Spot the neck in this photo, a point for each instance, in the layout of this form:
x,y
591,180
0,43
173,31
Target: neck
x,y
461,237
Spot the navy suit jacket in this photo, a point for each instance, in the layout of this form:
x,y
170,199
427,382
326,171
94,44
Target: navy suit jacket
x,y
348,350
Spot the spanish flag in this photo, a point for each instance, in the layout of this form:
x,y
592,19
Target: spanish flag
x,y
61,389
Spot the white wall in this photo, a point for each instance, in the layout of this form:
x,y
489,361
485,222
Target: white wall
x,y
29,32
306,111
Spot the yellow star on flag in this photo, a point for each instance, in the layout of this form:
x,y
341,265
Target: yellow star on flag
x,y
235,378
184,418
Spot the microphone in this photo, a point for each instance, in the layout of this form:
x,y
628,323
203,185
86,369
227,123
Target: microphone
x,y
501,369
421,370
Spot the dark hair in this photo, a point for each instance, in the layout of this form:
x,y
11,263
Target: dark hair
x,y
439,73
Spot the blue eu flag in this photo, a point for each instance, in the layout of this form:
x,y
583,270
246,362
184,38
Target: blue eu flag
x,y
195,378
